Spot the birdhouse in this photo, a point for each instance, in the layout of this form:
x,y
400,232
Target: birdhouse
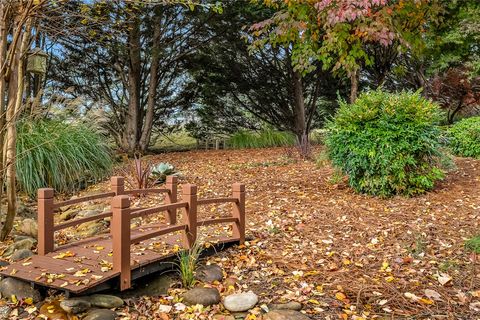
x,y
37,61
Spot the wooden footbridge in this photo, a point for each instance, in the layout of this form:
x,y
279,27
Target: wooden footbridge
x,y
124,253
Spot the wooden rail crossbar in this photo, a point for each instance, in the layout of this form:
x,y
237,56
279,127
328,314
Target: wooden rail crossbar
x,y
122,214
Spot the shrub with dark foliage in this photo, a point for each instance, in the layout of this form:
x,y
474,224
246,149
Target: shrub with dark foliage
x,y
387,143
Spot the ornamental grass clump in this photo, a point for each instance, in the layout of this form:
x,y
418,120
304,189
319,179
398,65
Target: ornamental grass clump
x,y
388,143
464,137
60,155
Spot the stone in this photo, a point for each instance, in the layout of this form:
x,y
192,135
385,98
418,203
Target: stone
x,y
240,302
240,315
105,301
223,317
25,211
285,315
293,305
203,296
5,312
209,273
29,227
26,243
4,263
100,314
21,254
68,214
88,213
20,289
89,229
75,305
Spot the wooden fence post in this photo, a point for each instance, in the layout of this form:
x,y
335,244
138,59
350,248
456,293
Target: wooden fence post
x,y
238,191
45,221
171,197
189,195
121,239
118,185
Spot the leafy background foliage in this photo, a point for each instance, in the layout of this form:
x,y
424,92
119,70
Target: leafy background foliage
x,y
387,143
464,137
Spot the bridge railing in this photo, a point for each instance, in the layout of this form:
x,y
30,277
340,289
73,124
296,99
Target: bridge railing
x,y
122,215
47,208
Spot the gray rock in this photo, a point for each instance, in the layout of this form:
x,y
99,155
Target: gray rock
x,y
100,314
27,243
293,305
203,296
240,302
75,305
88,213
285,315
4,263
89,229
25,211
5,312
21,254
20,289
209,273
105,301
29,227
68,214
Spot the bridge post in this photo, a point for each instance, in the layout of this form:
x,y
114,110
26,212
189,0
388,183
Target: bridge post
x,y
121,239
189,195
171,184
45,221
117,185
238,191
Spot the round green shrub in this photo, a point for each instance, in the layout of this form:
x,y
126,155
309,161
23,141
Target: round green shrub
x,y
464,137
60,155
387,143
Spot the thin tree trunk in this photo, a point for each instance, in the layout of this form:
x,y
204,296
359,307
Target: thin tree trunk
x,y
3,50
152,86
16,88
134,74
354,86
300,121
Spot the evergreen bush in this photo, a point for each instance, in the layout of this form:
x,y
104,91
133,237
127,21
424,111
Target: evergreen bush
x,y
388,143
464,137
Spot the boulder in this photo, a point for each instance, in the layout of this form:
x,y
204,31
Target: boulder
x,y
105,301
203,296
293,305
240,302
75,305
26,243
100,314
25,211
153,285
68,214
285,315
209,273
20,289
89,229
29,227
21,254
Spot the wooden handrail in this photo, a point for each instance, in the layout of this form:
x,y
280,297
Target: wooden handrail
x,y
216,200
217,221
165,207
83,199
82,220
143,191
157,233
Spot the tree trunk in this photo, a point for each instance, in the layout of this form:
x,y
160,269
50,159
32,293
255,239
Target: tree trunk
x,y
3,50
15,100
300,120
354,86
152,86
134,74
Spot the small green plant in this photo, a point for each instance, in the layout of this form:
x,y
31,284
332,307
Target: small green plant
x,y
263,139
473,244
60,155
188,261
161,170
464,137
388,143
419,247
